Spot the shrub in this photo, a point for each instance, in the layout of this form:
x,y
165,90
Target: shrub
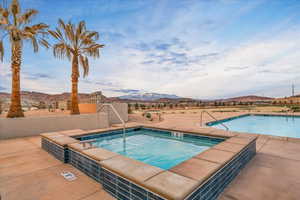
x,y
295,108
129,110
148,115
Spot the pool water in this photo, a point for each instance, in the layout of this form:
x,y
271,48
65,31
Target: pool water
x,y
156,148
287,126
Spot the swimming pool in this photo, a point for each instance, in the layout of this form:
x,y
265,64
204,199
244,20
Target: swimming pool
x,y
203,176
287,126
162,149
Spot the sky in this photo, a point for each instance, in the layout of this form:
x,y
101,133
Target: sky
x,y
191,48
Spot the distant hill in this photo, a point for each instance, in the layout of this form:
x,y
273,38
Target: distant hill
x,y
35,97
175,100
249,98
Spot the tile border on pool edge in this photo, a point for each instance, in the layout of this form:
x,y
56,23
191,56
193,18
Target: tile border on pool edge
x,y
191,134
117,187
113,183
85,164
215,184
119,130
59,152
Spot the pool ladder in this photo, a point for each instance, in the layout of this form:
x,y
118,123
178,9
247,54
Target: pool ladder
x,y
177,134
120,118
201,119
89,142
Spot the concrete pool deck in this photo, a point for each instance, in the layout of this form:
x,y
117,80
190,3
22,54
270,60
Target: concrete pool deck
x,y
28,172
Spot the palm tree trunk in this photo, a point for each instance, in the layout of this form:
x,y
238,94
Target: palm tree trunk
x,y
15,109
75,75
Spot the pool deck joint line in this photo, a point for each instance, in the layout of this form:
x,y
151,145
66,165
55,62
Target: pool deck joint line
x,y
23,164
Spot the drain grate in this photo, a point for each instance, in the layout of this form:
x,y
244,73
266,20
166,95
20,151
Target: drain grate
x,y
69,176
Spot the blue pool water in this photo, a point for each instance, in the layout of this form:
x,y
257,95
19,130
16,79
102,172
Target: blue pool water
x,y
156,148
287,126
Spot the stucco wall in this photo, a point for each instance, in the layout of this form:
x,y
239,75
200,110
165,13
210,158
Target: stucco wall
x,y
122,109
20,127
87,108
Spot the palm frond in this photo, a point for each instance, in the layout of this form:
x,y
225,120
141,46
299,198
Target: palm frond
x,y
4,14
28,31
34,31
3,21
84,62
15,7
27,16
89,38
80,29
54,34
70,32
93,35
35,44
39,27
61,24
44,43
61,50
59,34
93,50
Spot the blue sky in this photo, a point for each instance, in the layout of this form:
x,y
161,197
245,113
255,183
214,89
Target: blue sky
x,y
191,48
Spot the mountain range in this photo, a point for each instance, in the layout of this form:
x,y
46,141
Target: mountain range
x,y
248,98
36,97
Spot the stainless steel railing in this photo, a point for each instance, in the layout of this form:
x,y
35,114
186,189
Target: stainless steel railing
x,y
120,118
201,119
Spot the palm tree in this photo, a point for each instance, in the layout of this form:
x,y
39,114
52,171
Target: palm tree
x,y
75,43
16,25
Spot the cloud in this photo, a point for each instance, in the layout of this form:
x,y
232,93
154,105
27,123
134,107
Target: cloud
x,y
36,76
126,91
173,52
142,46
163,46
235,68
2,88
148,62
201,49
251,67
104,83
5,70
111,36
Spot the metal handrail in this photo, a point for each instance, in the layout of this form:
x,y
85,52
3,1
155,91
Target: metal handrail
x,y
201,119
289,113
84,142
118,115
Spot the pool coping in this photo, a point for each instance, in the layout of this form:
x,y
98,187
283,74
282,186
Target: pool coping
x,y
184,185
284,138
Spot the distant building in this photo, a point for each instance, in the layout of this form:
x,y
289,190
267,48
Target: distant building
x,y
287,100
96,97
64,105
89,105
